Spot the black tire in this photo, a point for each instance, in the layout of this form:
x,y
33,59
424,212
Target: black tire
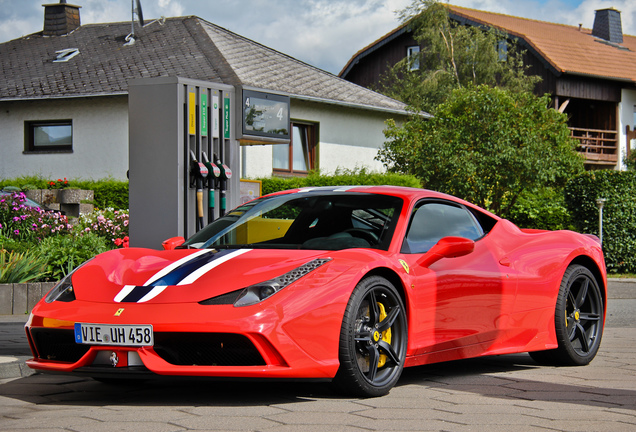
x,y
373,339
578,318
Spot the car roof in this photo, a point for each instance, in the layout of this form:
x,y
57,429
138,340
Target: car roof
x,y
409,194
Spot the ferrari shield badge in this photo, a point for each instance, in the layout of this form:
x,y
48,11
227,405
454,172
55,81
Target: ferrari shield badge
x,y
405,265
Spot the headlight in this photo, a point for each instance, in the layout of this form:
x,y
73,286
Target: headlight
x,y
259,292
63,291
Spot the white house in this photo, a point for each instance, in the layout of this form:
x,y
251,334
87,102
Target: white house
x,y
64,97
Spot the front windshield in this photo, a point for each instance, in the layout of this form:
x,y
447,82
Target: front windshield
x,y
305,220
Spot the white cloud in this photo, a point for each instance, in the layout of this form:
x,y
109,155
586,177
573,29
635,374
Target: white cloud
x,y
170,8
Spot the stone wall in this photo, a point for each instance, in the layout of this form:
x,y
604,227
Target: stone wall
x,y
70,201
19,299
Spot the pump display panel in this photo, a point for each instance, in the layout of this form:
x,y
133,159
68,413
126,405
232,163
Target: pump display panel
x,y
265,115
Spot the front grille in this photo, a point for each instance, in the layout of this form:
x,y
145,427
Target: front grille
x,y
207,349
57,345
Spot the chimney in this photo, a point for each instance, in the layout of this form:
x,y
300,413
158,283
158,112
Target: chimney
x,y
60,18
607,25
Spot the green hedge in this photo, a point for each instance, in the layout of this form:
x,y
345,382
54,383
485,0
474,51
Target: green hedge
x,y
108,192
619,213
340,178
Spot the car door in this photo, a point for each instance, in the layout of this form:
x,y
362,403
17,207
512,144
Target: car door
x,y
461,304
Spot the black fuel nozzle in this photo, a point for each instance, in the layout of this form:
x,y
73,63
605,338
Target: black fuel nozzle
x,y
198,171
213,170
215,173
226,172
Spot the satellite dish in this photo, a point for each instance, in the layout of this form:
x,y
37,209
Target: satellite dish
x,y
140,14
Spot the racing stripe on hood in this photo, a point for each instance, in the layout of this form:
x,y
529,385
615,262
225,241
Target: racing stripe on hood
x,y
182,272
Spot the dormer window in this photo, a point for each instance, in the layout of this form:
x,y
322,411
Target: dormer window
x,y
65,55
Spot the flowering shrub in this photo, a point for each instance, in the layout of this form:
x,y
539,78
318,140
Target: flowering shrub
x,y
20,221
108,223
58,184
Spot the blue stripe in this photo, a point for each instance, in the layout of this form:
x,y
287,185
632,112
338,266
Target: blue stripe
x,y
181,272
137,294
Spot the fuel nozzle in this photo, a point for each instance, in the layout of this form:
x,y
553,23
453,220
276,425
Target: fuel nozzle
x,y
215,173
226,174
198,170
198,174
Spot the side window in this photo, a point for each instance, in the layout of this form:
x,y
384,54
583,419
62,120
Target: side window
x,y
432,221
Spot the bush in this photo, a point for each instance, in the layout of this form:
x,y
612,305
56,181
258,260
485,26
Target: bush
x,y
110,193
342,177
21,267
542,208
619,213
15,245
64,253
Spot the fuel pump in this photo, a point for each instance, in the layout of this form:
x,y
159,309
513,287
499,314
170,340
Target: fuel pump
x,y
198,174
226,174
214,173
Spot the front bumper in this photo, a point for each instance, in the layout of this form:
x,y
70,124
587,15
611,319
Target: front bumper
x,y
192,340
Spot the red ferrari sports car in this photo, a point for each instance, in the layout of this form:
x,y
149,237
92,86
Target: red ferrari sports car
x,y
348,284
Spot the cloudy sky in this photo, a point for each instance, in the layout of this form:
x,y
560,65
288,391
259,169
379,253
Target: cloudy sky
x,y
323,33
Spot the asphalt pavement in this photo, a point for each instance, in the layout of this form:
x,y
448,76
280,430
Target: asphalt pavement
x,y
490,394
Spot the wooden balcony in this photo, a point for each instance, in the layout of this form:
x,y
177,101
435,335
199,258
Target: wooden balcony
x,y
600,147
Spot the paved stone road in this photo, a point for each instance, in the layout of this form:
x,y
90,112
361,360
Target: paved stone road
x,y
492,394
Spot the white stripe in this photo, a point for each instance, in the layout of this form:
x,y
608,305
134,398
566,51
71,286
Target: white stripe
x,y
153,293
174,265
124,292
192,277
127,289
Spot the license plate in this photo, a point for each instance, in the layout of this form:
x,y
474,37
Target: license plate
x,y
119,335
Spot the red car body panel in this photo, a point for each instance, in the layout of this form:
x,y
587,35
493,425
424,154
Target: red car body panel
x,y
498,299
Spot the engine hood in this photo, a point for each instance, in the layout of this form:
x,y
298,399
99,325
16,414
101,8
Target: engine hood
x,y
136,275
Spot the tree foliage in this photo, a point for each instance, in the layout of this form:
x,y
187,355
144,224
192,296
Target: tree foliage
x,y
486,145
452,56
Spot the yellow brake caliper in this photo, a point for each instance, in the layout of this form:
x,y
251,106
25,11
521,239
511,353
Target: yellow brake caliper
x,y
386,335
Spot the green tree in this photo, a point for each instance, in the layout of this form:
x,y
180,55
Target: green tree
x,y
486,145
452,56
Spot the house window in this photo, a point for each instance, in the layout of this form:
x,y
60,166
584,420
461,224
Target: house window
x,y
502,49
49,136
299,156
413,55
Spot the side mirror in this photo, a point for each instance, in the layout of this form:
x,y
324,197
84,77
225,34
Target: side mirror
x,y
172,243
447,247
